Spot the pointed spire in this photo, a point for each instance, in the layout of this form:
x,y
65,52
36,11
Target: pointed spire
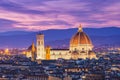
x,y
33,47
80,28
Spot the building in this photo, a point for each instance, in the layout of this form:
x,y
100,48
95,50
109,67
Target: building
x,y
80,47
37,77
93,77
31,52
56,77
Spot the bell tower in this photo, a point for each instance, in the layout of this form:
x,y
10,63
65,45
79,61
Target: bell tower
x,y
40,46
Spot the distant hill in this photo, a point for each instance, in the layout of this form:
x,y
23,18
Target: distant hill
x,y
59,38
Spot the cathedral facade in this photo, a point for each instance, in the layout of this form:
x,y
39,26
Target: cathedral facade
x,y
80,47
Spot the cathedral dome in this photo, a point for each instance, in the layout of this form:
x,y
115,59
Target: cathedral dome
x,y
80,38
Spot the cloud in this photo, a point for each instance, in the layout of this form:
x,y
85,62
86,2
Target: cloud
x,y
57,14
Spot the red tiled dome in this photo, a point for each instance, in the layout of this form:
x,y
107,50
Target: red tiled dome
x,y
80,38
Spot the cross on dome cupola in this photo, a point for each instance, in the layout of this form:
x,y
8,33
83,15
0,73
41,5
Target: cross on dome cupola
x,y
80,28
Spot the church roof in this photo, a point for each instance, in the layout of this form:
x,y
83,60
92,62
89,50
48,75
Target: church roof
x,y
32,47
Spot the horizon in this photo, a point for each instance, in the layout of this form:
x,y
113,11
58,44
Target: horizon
x,y
44,14
99,36
58,29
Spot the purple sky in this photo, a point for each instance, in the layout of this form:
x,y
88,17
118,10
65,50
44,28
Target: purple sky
x,y
58,14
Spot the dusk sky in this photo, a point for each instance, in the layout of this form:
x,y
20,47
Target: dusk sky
x,y
34,15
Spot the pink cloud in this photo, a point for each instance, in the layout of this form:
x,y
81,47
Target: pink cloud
x,y
31,14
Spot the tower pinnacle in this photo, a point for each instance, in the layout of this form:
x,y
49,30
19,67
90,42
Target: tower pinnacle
x,y
33,47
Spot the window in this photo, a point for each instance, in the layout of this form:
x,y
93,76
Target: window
x,y
82,49
38,42
41,42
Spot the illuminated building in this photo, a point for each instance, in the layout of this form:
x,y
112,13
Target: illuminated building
x,y
80,47
31,52
47,53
